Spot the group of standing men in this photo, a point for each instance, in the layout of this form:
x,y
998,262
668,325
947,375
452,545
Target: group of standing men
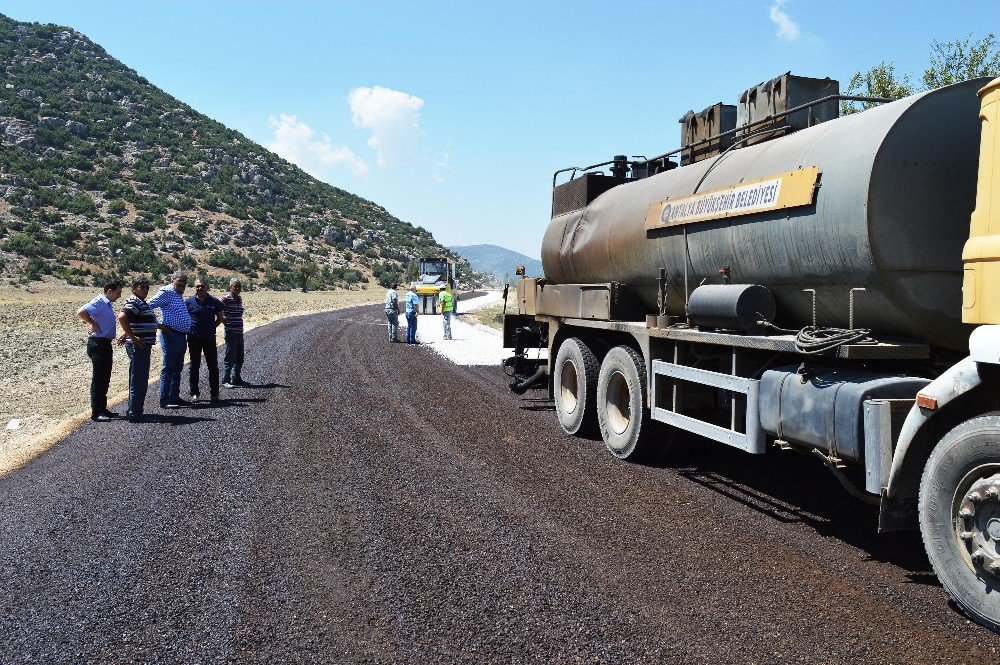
x,y
187,324
446,303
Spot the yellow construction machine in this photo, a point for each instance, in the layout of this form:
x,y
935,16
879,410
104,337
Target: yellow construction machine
x,y
436,275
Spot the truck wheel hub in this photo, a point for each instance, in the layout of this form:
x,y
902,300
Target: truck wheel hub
x,y
993,528
568,381
977,525
619,403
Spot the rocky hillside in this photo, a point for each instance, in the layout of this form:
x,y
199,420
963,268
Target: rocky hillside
x,y
498,261
103,173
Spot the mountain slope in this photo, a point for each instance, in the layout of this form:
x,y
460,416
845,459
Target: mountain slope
x,y
498,261
101,172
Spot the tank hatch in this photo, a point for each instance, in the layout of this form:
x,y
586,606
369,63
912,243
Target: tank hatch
x,y
700,132
761,110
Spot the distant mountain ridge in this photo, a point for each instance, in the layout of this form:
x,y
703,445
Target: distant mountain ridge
x,y
498,261
103,173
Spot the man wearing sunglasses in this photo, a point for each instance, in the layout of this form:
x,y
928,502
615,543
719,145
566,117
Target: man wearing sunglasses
x,y
206,312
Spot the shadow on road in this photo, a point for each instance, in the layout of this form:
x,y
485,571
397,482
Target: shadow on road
x,y
537,404
174,420
794,488
264,386
225,403
539,407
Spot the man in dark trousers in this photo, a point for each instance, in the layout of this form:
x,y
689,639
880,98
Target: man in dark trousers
x,y
206,312
99,314
232,362
392,312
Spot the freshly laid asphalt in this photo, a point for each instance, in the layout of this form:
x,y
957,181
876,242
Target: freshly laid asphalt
x,y
368,502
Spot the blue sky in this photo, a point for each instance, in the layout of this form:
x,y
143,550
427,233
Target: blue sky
x,y
453,115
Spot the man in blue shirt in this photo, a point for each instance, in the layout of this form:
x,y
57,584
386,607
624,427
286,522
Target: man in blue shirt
x,y
411,315
206,313
174,328
99,314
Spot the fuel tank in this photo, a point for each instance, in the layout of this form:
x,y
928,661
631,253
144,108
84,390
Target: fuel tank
x,y
890,213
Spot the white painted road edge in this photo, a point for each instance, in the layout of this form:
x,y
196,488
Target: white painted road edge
x,y
470,344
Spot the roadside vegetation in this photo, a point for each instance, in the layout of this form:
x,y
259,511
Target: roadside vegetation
x,y
492,316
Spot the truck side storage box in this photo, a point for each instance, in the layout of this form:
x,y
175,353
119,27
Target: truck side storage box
x,y
826,410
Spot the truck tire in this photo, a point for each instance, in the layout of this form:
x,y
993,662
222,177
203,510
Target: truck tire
x,y
575,387
959,513
621,403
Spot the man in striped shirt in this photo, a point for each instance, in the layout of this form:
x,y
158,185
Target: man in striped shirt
x,y
174,329
139,323
232,311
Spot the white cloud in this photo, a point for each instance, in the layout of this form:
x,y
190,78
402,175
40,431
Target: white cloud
x,y
442,167
296,142
788,30
393,118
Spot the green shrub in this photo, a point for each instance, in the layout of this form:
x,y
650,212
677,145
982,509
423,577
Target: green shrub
x,y
66,237
190,229
35,268
143,225
389,279
81,204
230,259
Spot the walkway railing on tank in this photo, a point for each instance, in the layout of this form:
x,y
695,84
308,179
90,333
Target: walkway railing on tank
x,y
749,127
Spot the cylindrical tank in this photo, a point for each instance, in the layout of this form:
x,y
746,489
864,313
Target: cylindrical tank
x,y
731,306
898,185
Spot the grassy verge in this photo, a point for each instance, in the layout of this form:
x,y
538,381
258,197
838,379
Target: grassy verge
x,y
491,316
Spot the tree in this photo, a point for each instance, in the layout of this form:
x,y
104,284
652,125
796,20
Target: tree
x,y
950,62
389,279
305,271
879,81
961,60
412,270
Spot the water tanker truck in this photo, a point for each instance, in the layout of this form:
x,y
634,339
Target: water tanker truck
x,y
792,278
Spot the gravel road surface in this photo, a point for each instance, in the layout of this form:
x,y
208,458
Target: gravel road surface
x,y
368,502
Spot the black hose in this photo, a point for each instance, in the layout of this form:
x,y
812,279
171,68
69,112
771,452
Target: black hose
x,y
521,387
812,339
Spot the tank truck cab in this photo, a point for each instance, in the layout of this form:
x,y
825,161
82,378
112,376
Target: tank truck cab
x,y
731,290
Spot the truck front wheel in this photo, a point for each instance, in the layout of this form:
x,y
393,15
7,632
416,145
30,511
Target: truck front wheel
x,y
959,509
575,386
621,403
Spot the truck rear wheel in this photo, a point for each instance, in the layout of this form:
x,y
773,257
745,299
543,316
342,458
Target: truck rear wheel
x,y
959,509
575,386
621,403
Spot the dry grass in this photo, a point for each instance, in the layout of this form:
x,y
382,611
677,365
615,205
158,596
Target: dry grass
x,y
491,316
45,371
